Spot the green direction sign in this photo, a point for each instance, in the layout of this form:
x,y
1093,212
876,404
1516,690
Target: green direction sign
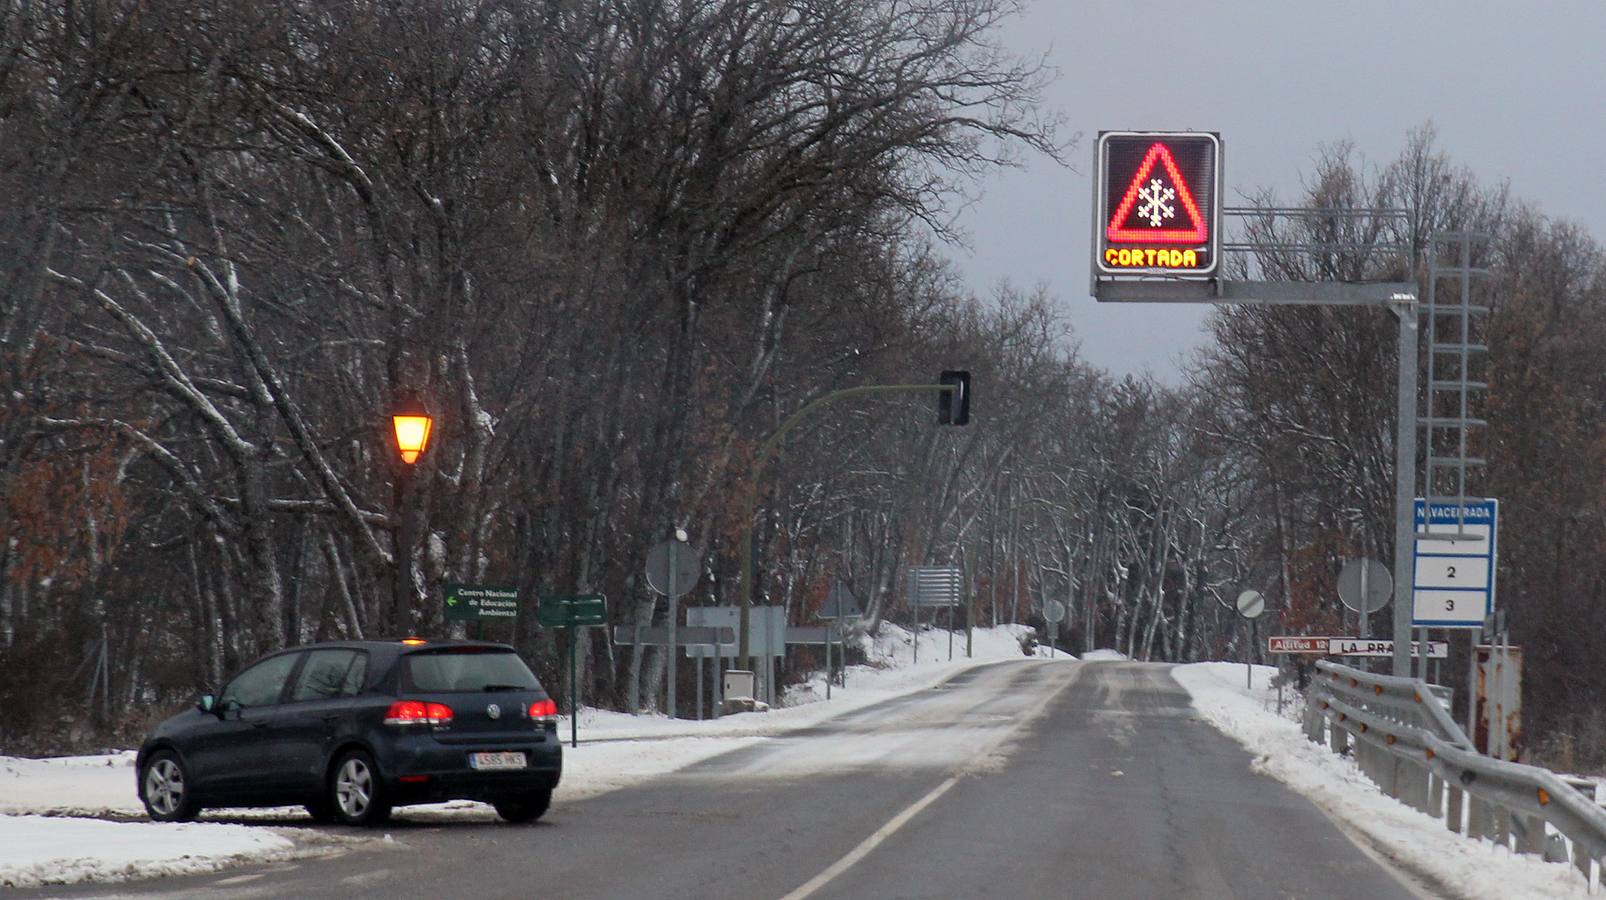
x,y
572,612
474,602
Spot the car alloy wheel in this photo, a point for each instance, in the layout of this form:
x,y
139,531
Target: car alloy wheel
x,y
357,790
164,789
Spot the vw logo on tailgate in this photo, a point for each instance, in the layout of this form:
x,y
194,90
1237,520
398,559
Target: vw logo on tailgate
x,y
494,711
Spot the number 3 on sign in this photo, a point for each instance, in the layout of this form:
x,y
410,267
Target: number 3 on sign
x,y
1449,605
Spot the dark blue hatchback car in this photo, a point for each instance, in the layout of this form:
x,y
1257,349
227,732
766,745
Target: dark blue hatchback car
x,y
353,728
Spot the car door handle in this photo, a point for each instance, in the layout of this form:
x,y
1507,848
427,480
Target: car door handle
x,y
332,717
262,724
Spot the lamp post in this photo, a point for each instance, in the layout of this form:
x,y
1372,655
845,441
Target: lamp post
x,y
411,424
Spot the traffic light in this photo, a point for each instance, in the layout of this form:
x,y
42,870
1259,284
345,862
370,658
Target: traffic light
x,y
953,407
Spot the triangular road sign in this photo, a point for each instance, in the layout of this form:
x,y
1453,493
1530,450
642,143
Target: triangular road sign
x,y
1151,199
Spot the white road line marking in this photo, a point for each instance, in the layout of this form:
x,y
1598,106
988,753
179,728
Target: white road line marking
x,y
868,845
238,879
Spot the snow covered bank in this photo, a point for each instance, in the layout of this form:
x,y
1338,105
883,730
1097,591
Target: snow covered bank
x,y
35,850
1417,841
616,750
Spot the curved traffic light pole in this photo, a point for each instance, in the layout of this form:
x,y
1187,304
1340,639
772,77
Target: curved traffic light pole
x,y
746,587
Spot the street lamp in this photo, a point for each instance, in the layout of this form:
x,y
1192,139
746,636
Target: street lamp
x,y
412,423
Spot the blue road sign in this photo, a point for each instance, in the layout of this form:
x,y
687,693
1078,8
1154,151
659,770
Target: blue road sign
x,y
1453,577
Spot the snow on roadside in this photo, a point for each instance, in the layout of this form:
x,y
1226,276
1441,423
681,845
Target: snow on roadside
x,y
100,785
616,750
1474,869
1104,656
36,850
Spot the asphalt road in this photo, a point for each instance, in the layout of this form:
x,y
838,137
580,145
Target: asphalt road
x,y
1020,779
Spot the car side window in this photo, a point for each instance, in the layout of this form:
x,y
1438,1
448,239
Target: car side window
x,y
356,676
260,685
325,675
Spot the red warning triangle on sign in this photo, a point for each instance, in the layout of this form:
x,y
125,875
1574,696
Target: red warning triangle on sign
x,y
1151,198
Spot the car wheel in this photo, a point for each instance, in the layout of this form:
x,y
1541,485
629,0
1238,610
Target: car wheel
x,y
356,793
164,787
524,807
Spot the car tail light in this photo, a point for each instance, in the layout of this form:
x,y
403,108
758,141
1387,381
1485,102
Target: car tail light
x,y
544,712
417,712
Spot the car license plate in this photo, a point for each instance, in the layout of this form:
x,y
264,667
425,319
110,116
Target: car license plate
x,y
506,759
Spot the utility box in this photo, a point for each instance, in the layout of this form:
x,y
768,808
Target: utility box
x,y
738,684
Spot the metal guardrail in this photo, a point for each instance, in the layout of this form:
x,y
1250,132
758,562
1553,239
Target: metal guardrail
x,y
1406,742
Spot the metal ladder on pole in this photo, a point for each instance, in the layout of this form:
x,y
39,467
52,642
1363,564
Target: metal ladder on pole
x,y
1455,349
1451,358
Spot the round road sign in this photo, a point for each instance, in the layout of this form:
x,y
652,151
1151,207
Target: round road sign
x,y
687,563
1379,585
1251,604
1053,611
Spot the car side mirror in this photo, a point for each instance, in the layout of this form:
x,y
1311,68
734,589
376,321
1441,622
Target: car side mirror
x,y
205,703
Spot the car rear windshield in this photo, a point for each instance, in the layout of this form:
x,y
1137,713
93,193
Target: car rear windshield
x,y
466,670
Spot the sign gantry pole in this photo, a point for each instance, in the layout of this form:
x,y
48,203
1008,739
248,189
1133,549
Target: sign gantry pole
x,y
1406,311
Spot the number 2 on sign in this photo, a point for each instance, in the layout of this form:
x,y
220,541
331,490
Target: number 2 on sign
x,y
1451,573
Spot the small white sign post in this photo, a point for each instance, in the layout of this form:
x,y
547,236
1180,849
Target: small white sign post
x,y
1053,613
1250,605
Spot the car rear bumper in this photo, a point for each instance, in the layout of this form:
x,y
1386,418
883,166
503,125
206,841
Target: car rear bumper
x,y
424,770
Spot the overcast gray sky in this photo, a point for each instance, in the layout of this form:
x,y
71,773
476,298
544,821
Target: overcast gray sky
x,y
1517,91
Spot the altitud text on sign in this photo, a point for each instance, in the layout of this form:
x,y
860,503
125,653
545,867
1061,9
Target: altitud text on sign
x,y
471,602
1348,646
1289,644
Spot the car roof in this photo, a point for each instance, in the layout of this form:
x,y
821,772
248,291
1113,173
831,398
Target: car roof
x,y
397,646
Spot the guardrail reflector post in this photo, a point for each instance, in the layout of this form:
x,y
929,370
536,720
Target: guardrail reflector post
x,y
1533,835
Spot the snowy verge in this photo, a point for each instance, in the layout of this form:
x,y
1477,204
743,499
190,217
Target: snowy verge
x,y
44,838
36,850
1414,840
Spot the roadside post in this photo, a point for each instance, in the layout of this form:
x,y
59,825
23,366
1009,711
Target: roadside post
x,y
934,586
840,606
673,567
573,613
1053,614
1250,605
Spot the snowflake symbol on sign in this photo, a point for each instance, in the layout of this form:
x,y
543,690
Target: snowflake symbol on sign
x,y
1154,206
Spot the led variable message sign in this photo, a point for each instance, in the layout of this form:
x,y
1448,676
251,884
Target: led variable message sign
x,y
1157,203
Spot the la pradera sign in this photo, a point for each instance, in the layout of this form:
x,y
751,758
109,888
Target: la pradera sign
x,y
1157,203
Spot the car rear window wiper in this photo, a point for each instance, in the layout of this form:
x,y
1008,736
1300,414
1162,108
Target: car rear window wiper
x,y
505,687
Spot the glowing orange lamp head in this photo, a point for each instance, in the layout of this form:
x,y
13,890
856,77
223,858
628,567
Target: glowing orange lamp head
x,y
412,423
